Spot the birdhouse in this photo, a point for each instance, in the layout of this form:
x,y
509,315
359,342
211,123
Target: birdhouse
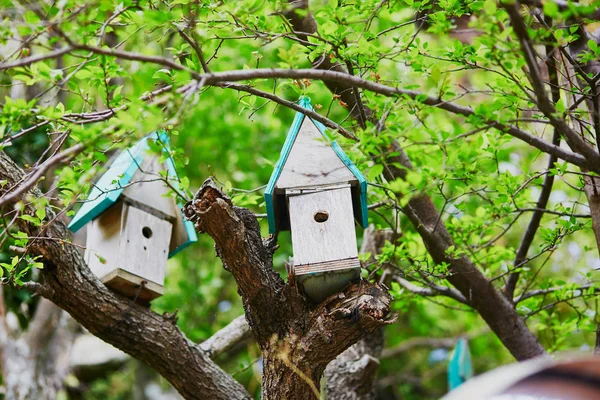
x,y
316,192
133,225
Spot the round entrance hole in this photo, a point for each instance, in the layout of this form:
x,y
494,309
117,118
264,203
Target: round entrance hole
x,y
321,216
147,232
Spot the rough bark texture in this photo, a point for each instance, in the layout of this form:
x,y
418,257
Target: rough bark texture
x,y
147,336
297,341
495,309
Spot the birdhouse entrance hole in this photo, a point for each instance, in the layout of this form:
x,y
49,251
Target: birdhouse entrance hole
x,y
147,232
321,216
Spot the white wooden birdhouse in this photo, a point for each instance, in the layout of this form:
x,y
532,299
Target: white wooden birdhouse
x,y
317,192
133,226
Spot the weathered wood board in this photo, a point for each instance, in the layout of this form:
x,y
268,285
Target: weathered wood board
x,y
312,161
331,239
148,188
129,285
144,245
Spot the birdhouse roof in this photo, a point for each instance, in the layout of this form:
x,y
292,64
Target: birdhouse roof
x,y
119,175
460,367
309,159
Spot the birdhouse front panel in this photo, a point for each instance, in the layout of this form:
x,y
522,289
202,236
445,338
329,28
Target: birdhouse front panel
x,y
144,248
313,162
322,226
126,247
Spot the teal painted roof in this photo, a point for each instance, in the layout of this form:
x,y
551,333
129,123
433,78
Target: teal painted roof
x,y
274,205
460,368
110,186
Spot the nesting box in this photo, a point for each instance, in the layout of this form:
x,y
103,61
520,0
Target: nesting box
x,y
316,192
133,226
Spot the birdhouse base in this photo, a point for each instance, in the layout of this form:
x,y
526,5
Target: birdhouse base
x,y
321,280
128,285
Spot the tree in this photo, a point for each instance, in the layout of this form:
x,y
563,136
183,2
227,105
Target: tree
x,y
451,106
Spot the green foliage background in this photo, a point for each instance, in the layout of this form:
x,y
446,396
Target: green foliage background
x,y
480,178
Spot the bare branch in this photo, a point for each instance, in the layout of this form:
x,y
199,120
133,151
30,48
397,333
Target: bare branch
x,y
292,105
541,292
590,161
222,341
30,181
432,291
23,62
412,343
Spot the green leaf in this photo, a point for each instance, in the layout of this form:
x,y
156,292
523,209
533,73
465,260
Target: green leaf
x,y
31,219
41,213
551,8
38,265
375,171
489,6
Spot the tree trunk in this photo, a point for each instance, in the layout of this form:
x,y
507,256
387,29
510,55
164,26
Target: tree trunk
x,y
297,339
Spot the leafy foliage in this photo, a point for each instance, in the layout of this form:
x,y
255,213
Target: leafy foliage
x,y
112,86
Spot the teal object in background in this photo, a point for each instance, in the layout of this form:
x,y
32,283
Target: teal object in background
x,y
359,193
460,368
110,186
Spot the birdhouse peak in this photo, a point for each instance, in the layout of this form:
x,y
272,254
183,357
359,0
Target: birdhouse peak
x,y
136,175
310,160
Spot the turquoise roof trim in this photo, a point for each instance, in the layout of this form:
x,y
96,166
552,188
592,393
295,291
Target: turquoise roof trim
x,y
110,186
189,225
285,151
460,368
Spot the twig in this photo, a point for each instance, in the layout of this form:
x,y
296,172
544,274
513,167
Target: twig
x,y
39,172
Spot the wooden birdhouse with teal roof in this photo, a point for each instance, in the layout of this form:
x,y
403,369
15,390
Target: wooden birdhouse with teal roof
x,y
133,224
317,193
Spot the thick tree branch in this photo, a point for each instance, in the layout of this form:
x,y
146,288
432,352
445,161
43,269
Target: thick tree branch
x,y
132,328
